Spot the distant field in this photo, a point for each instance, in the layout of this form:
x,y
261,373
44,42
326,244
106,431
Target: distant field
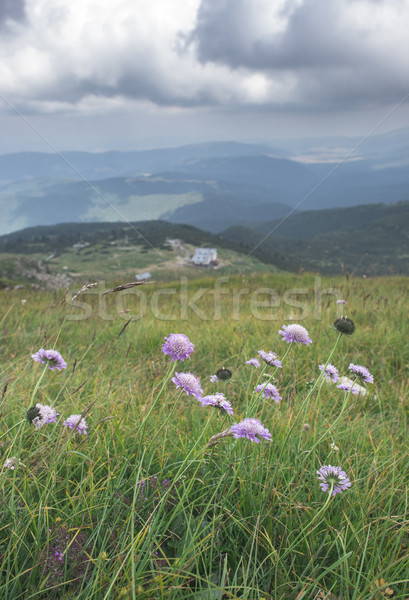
x,y
141,507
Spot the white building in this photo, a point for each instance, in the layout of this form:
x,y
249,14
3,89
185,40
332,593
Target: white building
x,y
204,257
143,276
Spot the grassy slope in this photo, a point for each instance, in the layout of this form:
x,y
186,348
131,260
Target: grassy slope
x,y
117,251
362,240
227,523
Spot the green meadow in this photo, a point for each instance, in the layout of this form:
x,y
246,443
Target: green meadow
x,y
142,507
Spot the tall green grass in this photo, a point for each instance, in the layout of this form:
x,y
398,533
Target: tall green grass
x,y
237,520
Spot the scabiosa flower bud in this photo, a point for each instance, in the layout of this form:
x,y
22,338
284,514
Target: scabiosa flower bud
x,y
40,415
178,346
270,358
361,372
189,383
269,391
33,413
344,325
254,362
295,333
75,422
218,401
306,427
250,429
224,374
333,478
51,358
330,372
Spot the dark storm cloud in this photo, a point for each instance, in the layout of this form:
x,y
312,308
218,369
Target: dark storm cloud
x,y
11,10
333,55
250,54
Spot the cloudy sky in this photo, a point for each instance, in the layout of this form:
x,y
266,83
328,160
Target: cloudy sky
x,y
100,74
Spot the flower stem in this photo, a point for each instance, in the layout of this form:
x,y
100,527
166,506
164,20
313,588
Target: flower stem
x,y
37,385
308,396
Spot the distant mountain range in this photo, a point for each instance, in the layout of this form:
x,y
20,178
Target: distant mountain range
x,y
211,186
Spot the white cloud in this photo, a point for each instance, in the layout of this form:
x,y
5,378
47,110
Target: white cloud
x,y
305,54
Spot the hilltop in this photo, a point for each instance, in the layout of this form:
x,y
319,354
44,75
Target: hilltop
x,y
363,240
53,256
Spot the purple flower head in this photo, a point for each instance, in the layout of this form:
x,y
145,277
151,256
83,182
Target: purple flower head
x,y
253,361
41,414
213,378
11,463
59,555
51,358
295,333
333,478
341,302
269,391
348,385
75,422
270,358
250,429
361,372
189,383
330,372
217,400
178,346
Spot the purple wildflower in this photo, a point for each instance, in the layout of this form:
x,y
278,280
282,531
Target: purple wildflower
x,y
250,429
341,302
11,463
361,372
51,358
41,414
189,383
333,478
217,400
178,346
75,422
330,372
59,555
270,358
269,391
348,385
213,378
295,333
253,361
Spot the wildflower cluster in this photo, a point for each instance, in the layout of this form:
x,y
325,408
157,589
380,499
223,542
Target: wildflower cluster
x,y
361,373
333,479
43,414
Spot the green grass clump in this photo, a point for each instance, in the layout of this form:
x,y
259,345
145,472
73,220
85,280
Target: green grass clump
x,y
142,507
